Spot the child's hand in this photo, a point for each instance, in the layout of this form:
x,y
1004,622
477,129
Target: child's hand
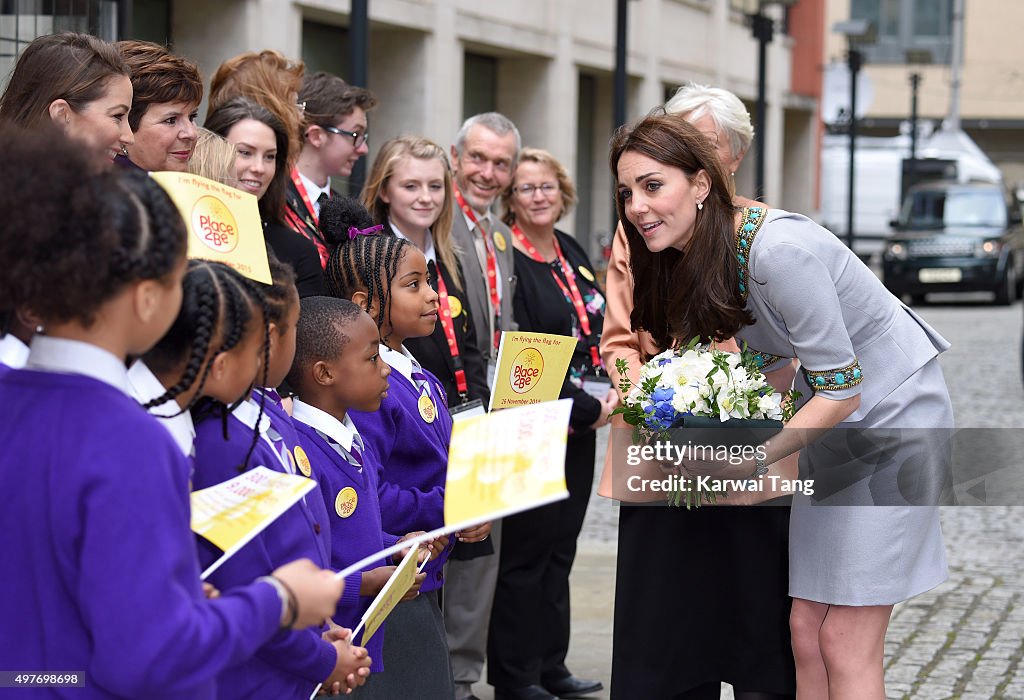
x,y
414,587
352,667
209,591
316,591
374,580
397,558
477,533
437,546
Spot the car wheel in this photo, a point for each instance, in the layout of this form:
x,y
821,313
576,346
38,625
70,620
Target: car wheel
x,y
1006,292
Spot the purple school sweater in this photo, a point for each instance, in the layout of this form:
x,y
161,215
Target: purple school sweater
x,y
353,537
413,458
100,573
292,663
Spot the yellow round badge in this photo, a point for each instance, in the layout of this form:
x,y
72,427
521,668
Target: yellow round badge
x,y
499,241
302,461
345,503
586,273
454,305
428,412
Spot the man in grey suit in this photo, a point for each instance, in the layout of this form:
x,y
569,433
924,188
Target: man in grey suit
x,y
483,159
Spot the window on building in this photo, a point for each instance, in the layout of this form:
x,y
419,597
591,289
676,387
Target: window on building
x,y
151,21
479,85
21,21
325,48
906,25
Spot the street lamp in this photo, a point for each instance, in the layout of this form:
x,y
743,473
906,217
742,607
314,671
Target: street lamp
x,y
857,32
762,27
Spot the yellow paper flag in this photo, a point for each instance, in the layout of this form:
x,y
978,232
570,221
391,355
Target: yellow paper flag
x,y
390,596
223,223
231,513
506,462
531,368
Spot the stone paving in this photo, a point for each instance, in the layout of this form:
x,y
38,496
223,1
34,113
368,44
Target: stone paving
x,y
964,639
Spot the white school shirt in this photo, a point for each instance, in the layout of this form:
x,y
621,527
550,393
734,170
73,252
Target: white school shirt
x,y
144,386
13,352
49,354
428,252
343,432
314,191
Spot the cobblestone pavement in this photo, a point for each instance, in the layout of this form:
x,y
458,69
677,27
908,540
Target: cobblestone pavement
x,y
964,639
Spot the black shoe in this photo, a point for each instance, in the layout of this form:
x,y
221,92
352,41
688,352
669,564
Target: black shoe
x,y
530,692
573,687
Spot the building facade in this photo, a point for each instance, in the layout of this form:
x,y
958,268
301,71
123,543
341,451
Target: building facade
x,y
547,64
916,36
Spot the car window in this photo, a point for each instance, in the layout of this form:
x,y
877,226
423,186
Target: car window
x,y
954,208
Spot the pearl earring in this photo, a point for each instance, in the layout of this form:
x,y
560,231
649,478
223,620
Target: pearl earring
x,y
700,205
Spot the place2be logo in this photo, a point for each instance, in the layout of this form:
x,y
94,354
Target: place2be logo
x,y
213,223
527,369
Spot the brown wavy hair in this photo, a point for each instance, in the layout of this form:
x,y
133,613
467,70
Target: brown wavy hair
x,y
73,67
268,78
158,77
694,292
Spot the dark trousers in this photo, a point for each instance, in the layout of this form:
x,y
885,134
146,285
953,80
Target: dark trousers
x,y
529,633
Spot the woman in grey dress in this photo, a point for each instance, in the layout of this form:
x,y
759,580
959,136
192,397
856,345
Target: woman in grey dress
x,y
870,380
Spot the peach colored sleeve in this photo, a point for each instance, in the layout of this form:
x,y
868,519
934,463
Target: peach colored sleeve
x,y
618,341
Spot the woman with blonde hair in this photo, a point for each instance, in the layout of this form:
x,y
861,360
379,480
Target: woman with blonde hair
x,y
409,192
213,158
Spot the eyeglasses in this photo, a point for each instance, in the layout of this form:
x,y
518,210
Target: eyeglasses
x,y
358,137
526,191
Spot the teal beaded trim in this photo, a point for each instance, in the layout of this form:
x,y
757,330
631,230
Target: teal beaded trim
x,y
765,359
753,217
835,379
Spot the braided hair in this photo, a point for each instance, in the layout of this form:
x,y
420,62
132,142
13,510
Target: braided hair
x,y
362,262
85,237
281,292
239,297
215,312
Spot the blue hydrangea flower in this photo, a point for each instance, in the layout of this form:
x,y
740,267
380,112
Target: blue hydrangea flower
x,y
659,413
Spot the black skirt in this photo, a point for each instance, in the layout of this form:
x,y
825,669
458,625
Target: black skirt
x,y
701,596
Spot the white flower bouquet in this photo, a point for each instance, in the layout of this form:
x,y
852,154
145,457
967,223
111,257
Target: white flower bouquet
x,y
686,395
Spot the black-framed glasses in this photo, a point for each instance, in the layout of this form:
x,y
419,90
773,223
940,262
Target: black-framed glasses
x,y
358,137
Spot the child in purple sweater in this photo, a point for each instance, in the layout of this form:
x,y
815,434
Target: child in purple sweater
x,y
101,578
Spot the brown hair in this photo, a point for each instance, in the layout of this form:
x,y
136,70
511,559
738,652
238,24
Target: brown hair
x,y
383,168
268,78
566,189
73,67
681,294
220,121
158,77
328,99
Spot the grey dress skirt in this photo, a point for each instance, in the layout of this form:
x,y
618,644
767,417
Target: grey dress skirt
x,y
869,534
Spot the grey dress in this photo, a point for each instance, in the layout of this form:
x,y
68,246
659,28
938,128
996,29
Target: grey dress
x,y
869,534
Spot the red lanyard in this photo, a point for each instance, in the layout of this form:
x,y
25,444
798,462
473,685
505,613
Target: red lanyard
x,y
308,227
449,332
492,263
572,292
